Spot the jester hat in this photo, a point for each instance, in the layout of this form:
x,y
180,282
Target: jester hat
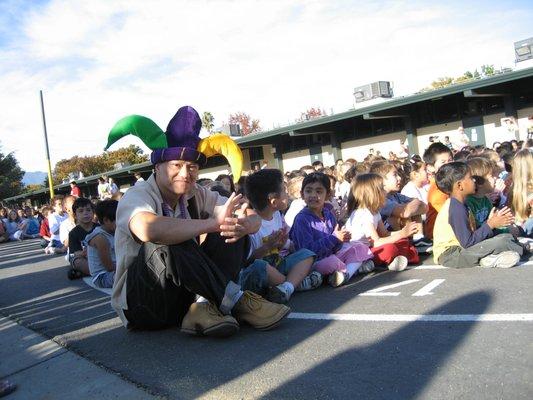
x,y
181,140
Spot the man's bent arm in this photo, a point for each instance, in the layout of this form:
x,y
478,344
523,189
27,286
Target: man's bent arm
x,y
149,227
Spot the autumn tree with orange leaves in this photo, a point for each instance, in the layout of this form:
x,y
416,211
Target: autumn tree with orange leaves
x,y
246,123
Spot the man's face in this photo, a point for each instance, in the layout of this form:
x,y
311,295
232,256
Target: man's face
x,y
441,159
391,181
177,176
85,214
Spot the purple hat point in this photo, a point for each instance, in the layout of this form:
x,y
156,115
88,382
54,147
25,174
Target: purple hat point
x,y
183,130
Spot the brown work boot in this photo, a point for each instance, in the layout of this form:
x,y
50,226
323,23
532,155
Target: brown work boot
x,y
258,312
206,320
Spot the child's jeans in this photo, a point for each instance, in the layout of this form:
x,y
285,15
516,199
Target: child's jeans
x,y
383,255
457,257
105,280
353,252
254,276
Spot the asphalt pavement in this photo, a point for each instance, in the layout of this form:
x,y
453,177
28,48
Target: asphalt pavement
x,y
423,333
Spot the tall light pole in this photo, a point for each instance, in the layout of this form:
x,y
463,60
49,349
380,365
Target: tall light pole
x,y
50,184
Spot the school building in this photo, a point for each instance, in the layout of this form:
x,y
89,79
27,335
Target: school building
x,y
496,108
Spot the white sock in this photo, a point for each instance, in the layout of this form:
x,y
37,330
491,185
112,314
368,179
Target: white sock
x,y
287,287
352,268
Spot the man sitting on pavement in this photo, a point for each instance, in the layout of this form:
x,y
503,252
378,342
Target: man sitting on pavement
x,y
161,267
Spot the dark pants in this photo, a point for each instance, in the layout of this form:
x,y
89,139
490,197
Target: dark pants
x,y
163,280
457,257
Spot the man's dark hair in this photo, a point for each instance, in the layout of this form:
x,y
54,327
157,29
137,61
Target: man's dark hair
x,y
461,155
262,183
106,209
317,162
430,155
449,174
81,202
317,177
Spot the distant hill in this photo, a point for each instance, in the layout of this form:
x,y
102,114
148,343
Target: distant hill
x,y
34,178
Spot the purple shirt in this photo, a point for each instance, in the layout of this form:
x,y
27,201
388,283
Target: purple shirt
x,y
310,232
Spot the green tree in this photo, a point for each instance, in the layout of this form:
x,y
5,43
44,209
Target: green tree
x,y
247,124
10,176
33,187
208,121
94,165
487,70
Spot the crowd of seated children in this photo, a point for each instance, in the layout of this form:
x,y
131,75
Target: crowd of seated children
x,y
477,210
100,244
315,228
276,270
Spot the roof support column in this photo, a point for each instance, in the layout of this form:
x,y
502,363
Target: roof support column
x,y
412,138
335,146
278,154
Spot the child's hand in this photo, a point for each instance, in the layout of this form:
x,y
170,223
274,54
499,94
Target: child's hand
x,y
342,234
409,229
500,218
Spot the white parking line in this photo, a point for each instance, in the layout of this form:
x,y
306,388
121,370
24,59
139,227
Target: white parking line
x,y
415,317
436,266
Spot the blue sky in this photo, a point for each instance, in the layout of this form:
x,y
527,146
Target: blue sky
x,y
100,60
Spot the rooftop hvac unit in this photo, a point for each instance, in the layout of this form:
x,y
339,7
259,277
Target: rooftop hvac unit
x,y
235,130
373,91
523,50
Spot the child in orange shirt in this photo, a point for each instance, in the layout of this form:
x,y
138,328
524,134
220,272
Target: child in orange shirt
x,y
435,157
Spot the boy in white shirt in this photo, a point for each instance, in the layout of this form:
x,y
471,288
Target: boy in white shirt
x,y
274,271
54,221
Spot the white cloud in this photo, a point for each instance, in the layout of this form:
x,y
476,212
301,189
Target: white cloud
x,y
100,60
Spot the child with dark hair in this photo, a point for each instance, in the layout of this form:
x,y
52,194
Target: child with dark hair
x,y
227,182
83,210
276,269
435,156
315,228
101,245
456,242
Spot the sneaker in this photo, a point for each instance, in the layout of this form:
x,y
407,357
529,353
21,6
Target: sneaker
x,y
423,242
398,264
258,312
506,259
205,319
310,282
367,266
338,278
74,274
275,294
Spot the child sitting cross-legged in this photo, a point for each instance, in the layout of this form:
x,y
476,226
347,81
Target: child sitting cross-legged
x,y
101,245
276,269
391,249
456,241
315,228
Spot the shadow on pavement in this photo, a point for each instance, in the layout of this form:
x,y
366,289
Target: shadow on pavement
x,y
178,366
